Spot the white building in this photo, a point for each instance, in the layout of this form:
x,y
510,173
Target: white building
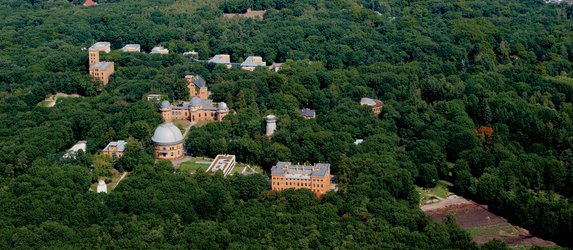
x,y
159,50
101,187
131,48
71,153
252,62
224,163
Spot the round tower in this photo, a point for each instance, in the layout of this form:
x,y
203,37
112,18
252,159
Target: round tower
x,y
271,124
166,111
222,111
168,142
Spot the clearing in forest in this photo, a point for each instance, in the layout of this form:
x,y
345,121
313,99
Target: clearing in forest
x,y
52,99
482,224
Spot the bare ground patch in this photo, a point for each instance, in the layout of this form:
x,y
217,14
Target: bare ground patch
x,y
482,224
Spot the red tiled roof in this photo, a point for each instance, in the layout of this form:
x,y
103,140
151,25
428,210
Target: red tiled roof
x,y
89,3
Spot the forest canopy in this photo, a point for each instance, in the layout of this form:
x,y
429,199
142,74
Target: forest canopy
x,y
477,93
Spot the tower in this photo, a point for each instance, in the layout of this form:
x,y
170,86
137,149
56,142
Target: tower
x,y
166,111
222,111
93,56
271,124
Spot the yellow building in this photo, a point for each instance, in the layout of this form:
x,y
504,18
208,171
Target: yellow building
x,y
285,175
197,86
196,110
100,70
93,51
168,142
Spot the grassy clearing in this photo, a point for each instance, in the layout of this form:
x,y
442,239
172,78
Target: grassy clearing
x,y
192,165
182,125
44,103
440,191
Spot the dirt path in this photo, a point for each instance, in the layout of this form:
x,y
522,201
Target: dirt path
x,y
51,100
450,201
187,129
120,179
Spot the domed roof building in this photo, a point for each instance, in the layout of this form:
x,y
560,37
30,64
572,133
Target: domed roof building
x,y
165,104
222,106
195,101
195,110
168,142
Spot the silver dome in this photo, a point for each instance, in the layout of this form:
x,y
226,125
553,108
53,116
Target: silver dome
x,y
165,104
223,105
195,101
167,134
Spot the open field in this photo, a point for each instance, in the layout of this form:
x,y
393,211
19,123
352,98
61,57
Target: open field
x,y
240,168
182,125
51,100
195,164
432,195
482,224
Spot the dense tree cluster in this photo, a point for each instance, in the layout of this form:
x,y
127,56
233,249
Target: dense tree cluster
x,y
478,93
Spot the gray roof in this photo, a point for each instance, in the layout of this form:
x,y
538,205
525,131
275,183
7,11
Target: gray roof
x,y
198,81
222,105
198,103
100,46
300,171
165,104
101,65
367,101
253,61
220,58
308,112
119,144
371,102
167,134
129,47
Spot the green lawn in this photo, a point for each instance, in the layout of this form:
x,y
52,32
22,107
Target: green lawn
x,y
182,125
44,104
192,166
440,190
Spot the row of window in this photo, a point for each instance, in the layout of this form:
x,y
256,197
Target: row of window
x,y
297,184
178,113
313,190
178,153
172,148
